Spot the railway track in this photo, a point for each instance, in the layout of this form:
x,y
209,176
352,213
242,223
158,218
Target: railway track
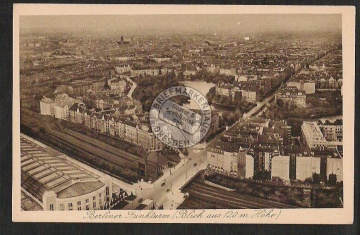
x,y
109,148
82,151
80,141
81,145
231,199
90,148
84,156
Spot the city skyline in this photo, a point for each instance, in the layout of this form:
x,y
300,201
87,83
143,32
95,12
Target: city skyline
x,y
175,24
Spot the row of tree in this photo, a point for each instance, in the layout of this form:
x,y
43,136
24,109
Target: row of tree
x,y
230,117
211,77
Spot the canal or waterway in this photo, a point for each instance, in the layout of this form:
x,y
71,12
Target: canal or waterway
x,y
203,87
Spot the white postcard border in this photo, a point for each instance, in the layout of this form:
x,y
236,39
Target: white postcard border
x,y
281,216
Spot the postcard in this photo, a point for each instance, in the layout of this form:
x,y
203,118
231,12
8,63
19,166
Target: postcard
x,y
183,114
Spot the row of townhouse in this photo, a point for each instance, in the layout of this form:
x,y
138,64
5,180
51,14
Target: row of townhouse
x,y
262,149
240,72
292,96
248,94
82,87
250,90
230,159
329,83
122,68
314,136
128,130
332,131
308,86
305,167
150,71
59,107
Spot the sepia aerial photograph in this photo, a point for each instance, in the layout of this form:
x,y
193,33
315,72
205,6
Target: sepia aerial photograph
x,y
181,112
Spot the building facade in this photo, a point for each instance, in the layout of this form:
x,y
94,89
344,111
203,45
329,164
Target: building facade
x,y
122,69
335,166
228,72
307,86
228,159
59,107
292,96
249,95
312,137
306,167
332,132
47,106
281,167
94,196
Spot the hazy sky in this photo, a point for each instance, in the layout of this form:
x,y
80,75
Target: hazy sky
x,y
135,24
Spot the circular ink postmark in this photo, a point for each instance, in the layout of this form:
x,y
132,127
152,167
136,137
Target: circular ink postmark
x,y
178,126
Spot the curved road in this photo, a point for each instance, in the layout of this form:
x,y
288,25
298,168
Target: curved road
x,y
133,87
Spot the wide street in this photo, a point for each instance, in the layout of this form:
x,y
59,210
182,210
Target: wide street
x,y
169,194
